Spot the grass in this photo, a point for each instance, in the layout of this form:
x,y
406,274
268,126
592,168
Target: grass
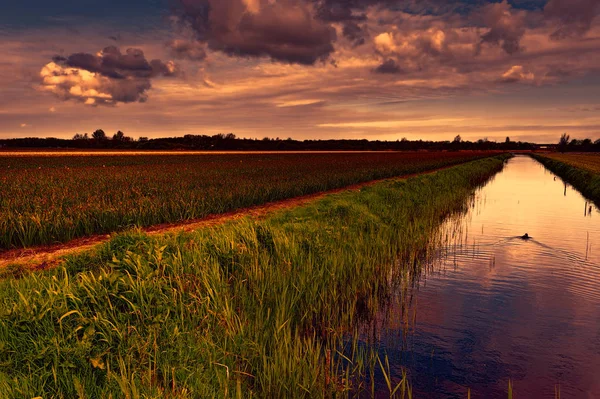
x,y
51,199
246,309
581,171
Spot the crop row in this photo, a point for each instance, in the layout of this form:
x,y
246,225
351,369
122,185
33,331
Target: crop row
x,y
45,200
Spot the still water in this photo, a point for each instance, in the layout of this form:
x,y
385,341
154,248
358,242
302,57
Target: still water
x,y
493,307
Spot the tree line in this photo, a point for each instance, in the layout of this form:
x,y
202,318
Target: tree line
x,y
566,144
229,142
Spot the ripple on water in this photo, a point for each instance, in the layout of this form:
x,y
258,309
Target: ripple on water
x,y
493,306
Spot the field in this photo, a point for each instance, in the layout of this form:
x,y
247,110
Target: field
x,y
247,309
46,199
588,161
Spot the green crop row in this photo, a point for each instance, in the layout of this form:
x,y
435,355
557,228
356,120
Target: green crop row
x,y
47,200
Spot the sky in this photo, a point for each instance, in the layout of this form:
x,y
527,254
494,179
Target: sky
x,y
305,69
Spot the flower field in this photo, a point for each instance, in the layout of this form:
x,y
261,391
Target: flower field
x,y
589,161
51,199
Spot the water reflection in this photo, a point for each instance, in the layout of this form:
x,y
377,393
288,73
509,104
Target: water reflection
x,y
493,306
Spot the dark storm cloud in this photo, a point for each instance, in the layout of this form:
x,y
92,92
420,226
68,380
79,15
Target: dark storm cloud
x,y
350,13
58,58
113,64
128,91
286,30
355,33
302,31
388,66
106,78
341,11
506,28
573,17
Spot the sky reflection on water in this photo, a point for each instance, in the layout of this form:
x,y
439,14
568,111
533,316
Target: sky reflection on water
x,y
495,307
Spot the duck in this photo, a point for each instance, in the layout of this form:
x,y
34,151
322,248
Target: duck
x,y
525,237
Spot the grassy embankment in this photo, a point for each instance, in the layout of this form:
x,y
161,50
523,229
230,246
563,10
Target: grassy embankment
x,y
45,200
250,308
582,171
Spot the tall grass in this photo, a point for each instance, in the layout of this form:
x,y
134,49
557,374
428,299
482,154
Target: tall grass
x,y
584,180
44,200
247,309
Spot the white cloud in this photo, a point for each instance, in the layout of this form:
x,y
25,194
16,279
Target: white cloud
x,y
517,74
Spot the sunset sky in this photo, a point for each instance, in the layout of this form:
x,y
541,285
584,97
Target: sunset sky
x,y
375,69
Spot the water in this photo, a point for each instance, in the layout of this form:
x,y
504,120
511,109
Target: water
x,y
494,307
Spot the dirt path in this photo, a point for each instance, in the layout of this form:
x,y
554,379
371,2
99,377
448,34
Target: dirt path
x,y
44,257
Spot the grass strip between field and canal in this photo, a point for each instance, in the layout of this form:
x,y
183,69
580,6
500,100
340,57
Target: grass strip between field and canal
x,y
250,308
582,171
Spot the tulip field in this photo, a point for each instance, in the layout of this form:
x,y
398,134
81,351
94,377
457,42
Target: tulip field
x,y
55,198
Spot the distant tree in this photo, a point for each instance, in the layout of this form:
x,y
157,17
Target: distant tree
x,y
230,136
79,136
457,139
119,136
507,140
563,142
99,135
143,139
597,142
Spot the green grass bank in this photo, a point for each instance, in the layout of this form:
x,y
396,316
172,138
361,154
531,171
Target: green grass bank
x,y
246,309
586,181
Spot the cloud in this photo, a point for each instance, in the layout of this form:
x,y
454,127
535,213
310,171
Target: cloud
x,y
354,32
110,62
388,66
187,49
410,54
284,30
342,11
517,74
573,17
506,27
385,43
106,78
424,48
